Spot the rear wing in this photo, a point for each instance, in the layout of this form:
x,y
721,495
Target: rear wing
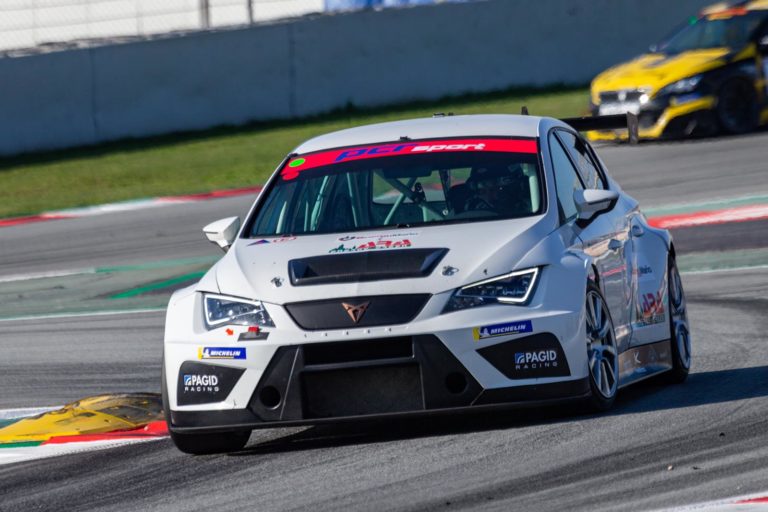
x,y
614,122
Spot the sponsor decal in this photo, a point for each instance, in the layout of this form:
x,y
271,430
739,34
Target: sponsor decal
x,y
229,331
195,383
651,309
491,331
204,382
372,246
535,360
220,353
273,240
378,236
528,357
301,163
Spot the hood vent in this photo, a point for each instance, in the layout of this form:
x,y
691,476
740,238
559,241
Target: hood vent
x,y
364,266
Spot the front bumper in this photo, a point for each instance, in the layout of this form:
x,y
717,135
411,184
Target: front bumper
x,y
343,381
670,117
221,380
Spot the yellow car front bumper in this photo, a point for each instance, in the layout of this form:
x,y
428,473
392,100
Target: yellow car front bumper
x,y
657,130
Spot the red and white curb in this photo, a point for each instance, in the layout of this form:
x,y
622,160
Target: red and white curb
x,y
69,444
722,216
124,206
68,447
749,502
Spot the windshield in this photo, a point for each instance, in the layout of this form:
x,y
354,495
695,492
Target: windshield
x,y
404,184
726,30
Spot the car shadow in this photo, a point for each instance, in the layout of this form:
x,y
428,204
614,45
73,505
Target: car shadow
x,y
654,394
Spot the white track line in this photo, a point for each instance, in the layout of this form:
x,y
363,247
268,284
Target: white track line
x,y
84,314
728,269
21,454
43,275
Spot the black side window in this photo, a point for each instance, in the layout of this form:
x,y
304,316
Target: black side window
x,y
579,151
566,179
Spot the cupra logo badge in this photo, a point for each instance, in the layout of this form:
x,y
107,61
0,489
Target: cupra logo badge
x,y
355,312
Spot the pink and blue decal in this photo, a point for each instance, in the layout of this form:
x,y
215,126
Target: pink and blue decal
x,y
312,160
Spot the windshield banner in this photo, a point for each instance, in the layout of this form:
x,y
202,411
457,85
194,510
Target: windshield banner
x,y
301,163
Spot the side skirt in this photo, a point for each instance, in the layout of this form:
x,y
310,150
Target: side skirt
x,y
639,363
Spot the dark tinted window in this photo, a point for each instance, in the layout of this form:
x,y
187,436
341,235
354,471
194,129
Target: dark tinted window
x,y
713,31
313,196
566,179
586,165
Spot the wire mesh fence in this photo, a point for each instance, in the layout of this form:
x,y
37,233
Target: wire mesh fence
x,y
32,23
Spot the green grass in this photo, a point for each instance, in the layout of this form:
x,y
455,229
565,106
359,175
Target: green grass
x,y
220,158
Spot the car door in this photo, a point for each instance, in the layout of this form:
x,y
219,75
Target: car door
x,y
605,237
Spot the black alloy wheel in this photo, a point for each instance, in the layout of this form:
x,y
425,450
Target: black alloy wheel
x,y
737,107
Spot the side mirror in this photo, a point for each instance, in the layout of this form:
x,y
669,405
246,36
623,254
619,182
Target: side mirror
x,y
223,232
591,202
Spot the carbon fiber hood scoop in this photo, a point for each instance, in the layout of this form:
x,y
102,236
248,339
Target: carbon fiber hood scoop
x,y
365,266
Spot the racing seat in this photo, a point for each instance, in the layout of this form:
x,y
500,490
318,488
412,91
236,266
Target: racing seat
x,y
339,216
457,197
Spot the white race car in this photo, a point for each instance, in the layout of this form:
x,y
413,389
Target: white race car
x,y
423,266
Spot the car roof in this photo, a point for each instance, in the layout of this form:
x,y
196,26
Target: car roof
x,y
427,128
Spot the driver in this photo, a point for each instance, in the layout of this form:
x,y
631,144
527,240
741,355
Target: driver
x,y
488,186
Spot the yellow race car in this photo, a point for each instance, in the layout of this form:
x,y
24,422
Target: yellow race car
x,y
709,76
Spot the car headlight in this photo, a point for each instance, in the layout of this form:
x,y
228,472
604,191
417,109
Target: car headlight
x,y
681,86
220,310
513,288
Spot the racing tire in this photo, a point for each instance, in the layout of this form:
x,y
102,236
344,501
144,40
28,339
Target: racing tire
x,y
207,444
602,352
202,444
737,107
679,333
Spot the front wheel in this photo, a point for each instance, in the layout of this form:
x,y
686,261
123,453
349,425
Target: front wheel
x,y
737,109
201,444
602,354
204,444
679,332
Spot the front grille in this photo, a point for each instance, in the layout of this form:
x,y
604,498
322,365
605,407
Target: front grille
x,y
357,391
378,310
370,376
353,351
626,96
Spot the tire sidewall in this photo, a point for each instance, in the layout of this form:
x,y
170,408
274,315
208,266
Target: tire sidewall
x,y
597,401
679,372
749,124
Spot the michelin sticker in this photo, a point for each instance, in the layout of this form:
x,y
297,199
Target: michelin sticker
x,y
220,353
491,331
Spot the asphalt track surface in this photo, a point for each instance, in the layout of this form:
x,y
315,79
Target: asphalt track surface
x,y
660,446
